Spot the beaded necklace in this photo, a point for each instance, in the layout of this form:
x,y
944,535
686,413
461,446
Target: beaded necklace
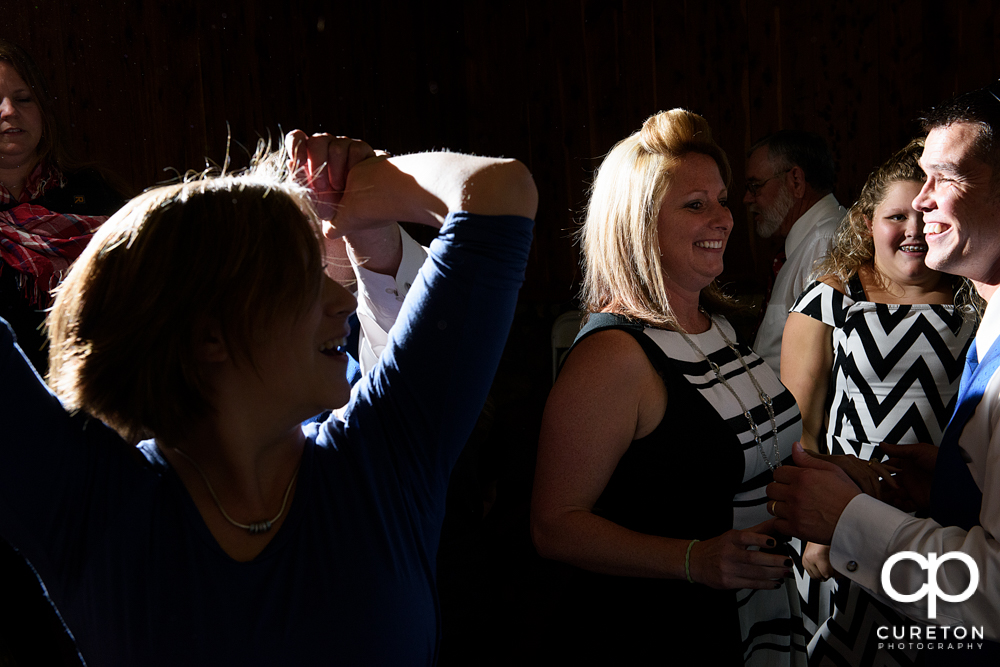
x,y
255,528
762,395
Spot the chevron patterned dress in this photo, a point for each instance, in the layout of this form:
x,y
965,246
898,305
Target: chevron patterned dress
x,y
896,370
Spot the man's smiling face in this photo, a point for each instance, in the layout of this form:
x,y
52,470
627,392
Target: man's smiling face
x,y
961,211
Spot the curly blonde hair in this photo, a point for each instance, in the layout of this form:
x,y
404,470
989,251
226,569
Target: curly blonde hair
x,y
853,246
621,246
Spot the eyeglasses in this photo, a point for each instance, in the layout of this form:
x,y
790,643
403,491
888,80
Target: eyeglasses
x,y
989,89
753,187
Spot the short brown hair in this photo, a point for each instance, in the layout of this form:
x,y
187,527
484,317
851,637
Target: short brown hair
x,y
233,251
980,108
621,248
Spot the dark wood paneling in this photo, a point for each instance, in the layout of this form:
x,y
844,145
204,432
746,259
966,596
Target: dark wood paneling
x,y
144,86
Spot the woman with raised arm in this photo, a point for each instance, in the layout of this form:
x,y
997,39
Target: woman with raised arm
x,y
200,319
873,352
663,429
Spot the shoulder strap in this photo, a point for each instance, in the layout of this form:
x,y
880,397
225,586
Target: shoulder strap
x,y
855,289
603,321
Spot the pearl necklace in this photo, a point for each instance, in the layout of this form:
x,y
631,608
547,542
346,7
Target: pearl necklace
x,y
255,528
764,398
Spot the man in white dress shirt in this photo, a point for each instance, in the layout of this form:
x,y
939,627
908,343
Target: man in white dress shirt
x,y
790,180
384,270
816,501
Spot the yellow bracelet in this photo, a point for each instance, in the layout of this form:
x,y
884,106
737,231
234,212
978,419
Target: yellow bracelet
x,y
687,561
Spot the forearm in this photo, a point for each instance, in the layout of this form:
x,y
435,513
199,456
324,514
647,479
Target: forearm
x,y
424,187
809,441
338,264
590,542
811,400
806,363
869,532
379,250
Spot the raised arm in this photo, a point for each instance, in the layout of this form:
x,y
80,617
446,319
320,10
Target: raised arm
x,y
322,163
421,188
361,195
382,288
425,187
62,478
410,415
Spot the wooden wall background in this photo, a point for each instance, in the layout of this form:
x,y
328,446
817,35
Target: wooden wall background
x,y
144,86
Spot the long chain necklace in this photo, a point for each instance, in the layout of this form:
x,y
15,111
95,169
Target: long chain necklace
x,y
764,398
255,528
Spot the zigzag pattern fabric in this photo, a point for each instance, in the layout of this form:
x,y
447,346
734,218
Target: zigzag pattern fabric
x,y
895,378
896,367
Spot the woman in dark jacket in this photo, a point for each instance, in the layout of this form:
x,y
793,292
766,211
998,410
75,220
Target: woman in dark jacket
x,y
48,212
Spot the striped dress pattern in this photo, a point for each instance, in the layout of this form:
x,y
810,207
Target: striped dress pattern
x,y
770,621
895,378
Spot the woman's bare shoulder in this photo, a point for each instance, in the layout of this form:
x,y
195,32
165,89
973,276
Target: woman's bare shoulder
x,y
612,350
834,281
608,376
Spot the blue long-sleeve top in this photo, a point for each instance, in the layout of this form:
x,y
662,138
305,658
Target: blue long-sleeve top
x,y
350,576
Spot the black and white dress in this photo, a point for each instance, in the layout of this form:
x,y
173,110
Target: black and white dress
x,y
895,376
697,475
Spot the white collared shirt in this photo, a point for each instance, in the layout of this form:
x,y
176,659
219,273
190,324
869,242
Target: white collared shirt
x,y
380,298
808,242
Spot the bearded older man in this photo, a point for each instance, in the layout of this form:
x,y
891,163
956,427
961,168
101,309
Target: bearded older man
x,y
790,180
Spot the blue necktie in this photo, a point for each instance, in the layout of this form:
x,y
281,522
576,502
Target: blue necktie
x,y
955,498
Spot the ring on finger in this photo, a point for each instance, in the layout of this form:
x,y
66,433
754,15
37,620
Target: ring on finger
x,y
770,509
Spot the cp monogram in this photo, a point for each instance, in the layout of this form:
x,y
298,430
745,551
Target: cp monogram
x,y
930,589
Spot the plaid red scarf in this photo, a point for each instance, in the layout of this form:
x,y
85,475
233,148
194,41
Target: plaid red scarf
x,y
38,243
